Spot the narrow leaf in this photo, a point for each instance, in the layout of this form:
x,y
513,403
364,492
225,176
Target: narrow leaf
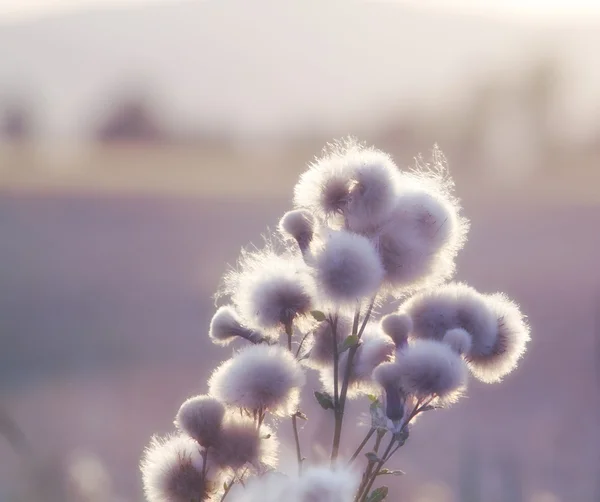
x,y
325,400
396,472
378,494
350,341
318,315
300,415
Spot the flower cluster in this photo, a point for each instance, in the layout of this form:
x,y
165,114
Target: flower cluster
x,y
362,231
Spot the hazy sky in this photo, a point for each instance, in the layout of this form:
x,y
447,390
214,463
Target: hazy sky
x,y
530,10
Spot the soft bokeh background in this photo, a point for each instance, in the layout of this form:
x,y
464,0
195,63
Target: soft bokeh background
x,y
143,143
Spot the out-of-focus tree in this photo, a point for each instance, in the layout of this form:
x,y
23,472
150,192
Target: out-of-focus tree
x,y
132,119
16,122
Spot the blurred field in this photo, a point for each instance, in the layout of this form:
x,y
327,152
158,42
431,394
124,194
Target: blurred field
x,y
108,265
262,172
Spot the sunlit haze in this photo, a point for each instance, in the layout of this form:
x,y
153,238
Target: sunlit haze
x,y
530,10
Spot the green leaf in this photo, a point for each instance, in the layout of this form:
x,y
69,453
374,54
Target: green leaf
x,y
318,315
325,400
373,398
372,457
300,415
350,341
396,472
378,494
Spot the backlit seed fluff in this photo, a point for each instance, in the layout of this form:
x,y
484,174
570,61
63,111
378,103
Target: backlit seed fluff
x,y
259,377
324,188
398,327
299,224
429,368
240,444
172,471
200,417
454,305
316,484
373,189
458,340
226,325
510,345
347,268
270,289
419,241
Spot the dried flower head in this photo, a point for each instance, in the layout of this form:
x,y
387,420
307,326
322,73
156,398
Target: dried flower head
x,y
300,225
241,444
511,341
226,325
270,289
431,369
200,417
172,471
259,377
347,268
398,327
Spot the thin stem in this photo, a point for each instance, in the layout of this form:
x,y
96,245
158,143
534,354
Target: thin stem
x,y
367,474
383,459
289,331
362,445
334,341
301,344
227,488
297,440
341,404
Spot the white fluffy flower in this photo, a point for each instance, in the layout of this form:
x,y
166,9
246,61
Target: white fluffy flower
x,y
172,471
259,377
347,268
428,368
270,289
316,484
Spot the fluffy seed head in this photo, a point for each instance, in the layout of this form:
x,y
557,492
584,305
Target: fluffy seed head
x,y
299,224
372,190
240,444
323,189
438,310
348,268
398,327
317,484
510,345
270,289
259,377
226,325
431,369
459,341
172,470
200,417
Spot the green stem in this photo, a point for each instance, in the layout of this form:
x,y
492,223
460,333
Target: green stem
x,y
341,403
362,445
289,331
379,465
